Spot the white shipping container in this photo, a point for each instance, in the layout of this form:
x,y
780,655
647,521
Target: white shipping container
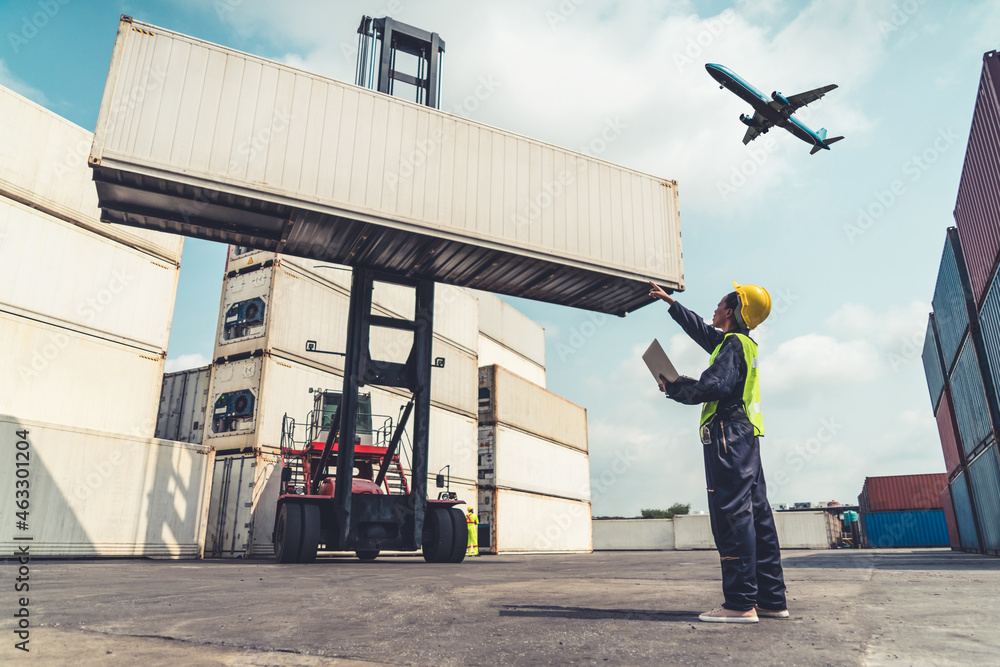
x,y
493,353
244,497
634,535
275,386
43,163
796,530
502,323
507,398
513,459
514,521
184,405
67,276
95,493
56,375
173,156
280,308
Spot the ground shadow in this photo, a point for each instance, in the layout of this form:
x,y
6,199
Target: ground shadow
x,y
889,559
589,613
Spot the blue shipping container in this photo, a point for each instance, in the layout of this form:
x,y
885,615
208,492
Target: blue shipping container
x,y
969,398
905,529
963,513
984,477
989,324
950,310
932,364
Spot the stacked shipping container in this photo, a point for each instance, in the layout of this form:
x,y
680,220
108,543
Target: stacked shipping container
x,y
85,312
966,320
903,511
534,468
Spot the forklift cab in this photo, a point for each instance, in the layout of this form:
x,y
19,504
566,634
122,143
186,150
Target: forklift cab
x,y
325,404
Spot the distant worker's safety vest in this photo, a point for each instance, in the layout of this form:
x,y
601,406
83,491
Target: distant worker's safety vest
x,y
751,389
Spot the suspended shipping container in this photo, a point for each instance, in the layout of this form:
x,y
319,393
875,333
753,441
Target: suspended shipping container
x,y
933,368
184,405
984,478
328,185
513,459
506,398
977,210
949,519
968,394
64,275
904,529
516,521
43,164
964,516
951,315
62,376
902,492
95,493
950,444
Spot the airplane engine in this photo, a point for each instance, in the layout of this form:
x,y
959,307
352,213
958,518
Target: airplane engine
x,y
778,97
748,121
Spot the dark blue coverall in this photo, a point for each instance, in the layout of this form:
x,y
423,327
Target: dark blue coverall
x,y
742,522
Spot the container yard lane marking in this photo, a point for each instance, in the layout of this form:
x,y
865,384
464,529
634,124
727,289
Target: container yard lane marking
x,y
22,512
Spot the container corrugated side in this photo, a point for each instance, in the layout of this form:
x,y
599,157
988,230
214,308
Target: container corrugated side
x,y
807,530
324,188
951,315
509,327
528,522
56,375
184,405
513,459
506,398
67,276
989,326
969,400
244,497
984,478
43,163
905,529
493,353
950,445
964,516
904,492
977,209
95,493
949,519
933,368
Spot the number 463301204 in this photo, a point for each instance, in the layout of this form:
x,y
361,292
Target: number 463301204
x,y
22,463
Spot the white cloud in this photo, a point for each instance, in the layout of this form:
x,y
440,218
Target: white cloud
x,y
8,80
817,360
185,362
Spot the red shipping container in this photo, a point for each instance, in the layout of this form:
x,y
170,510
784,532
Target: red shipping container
x,y
977,210
949,520
949,436
903,492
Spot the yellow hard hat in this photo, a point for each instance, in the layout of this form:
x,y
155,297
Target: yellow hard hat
x,y
469,510
755,304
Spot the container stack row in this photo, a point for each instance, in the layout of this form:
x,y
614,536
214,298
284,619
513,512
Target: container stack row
x,y
534,468
85,314
903,511
962,348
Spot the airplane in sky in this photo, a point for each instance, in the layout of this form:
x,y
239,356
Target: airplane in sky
x,y
775,111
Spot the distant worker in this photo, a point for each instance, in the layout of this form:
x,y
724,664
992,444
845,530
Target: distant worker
x,y
473,524
731,421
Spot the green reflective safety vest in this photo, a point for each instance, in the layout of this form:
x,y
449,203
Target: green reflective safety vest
x,y
751,389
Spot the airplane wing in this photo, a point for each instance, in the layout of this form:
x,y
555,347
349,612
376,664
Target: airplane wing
x,y
761,126
802,99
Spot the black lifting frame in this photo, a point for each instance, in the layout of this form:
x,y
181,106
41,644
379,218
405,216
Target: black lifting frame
x,y
365,521
377,64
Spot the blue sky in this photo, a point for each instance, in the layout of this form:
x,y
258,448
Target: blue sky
x,y
848,241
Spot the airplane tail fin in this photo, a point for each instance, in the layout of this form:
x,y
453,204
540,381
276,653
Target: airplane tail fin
x,y
822,133
826,142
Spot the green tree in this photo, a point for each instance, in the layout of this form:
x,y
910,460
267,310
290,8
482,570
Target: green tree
x,y
674,510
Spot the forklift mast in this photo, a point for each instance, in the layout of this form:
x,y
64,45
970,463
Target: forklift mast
x,y
380,41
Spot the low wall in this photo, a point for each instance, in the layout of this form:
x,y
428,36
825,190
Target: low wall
x,y
633,535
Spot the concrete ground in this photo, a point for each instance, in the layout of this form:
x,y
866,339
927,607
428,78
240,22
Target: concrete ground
x,y
926,607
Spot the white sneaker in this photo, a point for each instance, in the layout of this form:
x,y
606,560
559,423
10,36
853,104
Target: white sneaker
x,y
723,615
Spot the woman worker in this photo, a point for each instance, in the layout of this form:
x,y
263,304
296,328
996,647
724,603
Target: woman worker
x,y
731,422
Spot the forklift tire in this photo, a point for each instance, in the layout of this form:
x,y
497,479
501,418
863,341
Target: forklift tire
x,y
310,533
367,554
288,533
459,536
437,535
